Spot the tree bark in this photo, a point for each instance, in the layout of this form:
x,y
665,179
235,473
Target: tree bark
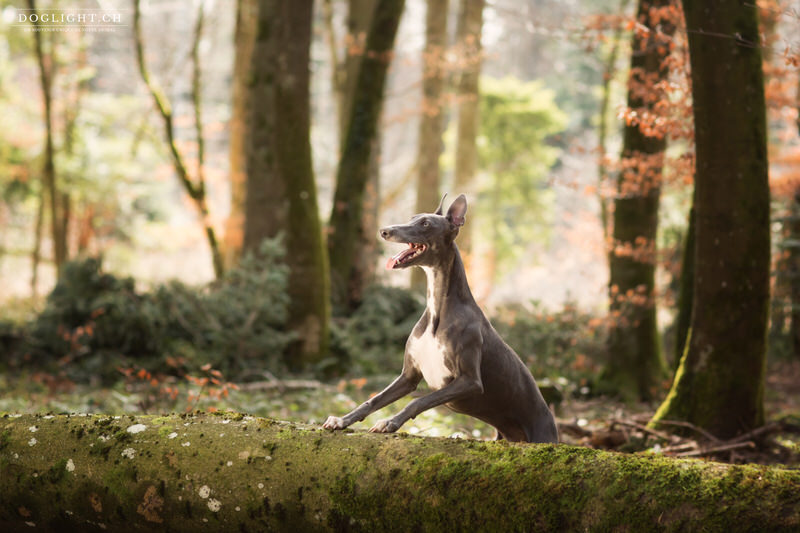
x,y
233,473
352,175
266,202
431,125
360,14
359,18
683,320
794,256
281,192
635,362
36,253
468,38
719,385
244,37
46,65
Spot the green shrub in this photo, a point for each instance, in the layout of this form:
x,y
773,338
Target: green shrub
x,y
89,312
95,322
236,324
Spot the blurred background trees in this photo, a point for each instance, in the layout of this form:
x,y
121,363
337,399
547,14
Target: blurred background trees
x,y
296,129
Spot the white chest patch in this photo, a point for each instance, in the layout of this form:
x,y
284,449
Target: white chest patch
x,y
428,354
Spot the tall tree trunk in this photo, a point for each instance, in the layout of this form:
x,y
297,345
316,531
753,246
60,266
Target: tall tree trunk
x,y
719,385
431,124
194,187
635,362
226,472
346,228
280,173
46,64
683,320
266,201
36,253
360,14
794,256
244,37
71,112
359,18
468,40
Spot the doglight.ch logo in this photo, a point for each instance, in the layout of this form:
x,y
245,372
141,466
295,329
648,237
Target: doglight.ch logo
x,y
93,20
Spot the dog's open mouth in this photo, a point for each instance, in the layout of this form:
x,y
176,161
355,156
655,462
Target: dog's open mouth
x,y
413,251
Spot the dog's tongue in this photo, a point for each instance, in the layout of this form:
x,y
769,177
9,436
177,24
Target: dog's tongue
x,y
392,261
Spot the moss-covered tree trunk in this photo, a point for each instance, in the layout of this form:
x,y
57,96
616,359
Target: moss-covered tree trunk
x,y
359,18
244,37
794,256
352,174
720,382
635,363
683,319
468,41
233,473
281,193
431,124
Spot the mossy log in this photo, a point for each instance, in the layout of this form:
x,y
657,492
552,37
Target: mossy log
x,y
239,473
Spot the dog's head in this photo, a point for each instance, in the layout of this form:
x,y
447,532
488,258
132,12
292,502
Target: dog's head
x,y
428,235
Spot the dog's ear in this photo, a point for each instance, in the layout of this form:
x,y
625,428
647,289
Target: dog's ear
x,y
441,204
458,211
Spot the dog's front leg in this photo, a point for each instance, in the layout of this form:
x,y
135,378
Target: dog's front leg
x,y
402,385
461,386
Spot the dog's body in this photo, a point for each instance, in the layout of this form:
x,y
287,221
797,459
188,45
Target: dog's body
x,y
454,347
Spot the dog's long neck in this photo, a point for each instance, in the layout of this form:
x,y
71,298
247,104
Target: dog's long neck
x,y
447,282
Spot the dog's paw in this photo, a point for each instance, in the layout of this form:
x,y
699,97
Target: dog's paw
x,y
385,426
334,422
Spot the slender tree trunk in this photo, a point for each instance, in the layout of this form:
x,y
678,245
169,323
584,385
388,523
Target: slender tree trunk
x,y
468,40
431,125
360,14
65,211
46,64
719,385
244,37
36,253
266,201
794,257
359,18
635,362
194,187
309,281
346,229
363,273
71,112
195,472
280,173
683,320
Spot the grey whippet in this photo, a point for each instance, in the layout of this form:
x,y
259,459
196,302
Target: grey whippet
x,y
453,346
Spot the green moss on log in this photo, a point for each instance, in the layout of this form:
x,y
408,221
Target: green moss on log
x,y
210,472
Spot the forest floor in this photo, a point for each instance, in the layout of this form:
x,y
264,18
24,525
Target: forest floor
x,y
597,422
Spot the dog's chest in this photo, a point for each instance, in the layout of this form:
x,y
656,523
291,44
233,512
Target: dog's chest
x,y
429,356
